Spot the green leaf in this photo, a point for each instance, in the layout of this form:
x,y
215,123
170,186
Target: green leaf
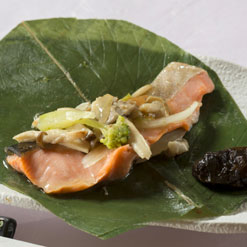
x,y
53,63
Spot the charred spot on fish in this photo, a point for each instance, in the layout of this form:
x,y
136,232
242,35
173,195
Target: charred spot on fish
x,y
20,148
227,167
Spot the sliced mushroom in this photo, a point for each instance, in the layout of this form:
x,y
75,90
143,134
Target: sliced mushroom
x,y
165,112
53,136
27,136
123,108
74,139
155,107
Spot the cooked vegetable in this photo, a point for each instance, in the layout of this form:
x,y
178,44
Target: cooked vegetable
x,y
177,147
79,145
70,138
60,119
119,107
91,123
227,167
116,135
162,144
138,142
51,136
95,155
124,108
161,122
143,90
126,97
155,109
102,107
85,106
152,98
27,136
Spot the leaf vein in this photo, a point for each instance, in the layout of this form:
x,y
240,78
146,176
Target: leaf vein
x,y
65,72
181,194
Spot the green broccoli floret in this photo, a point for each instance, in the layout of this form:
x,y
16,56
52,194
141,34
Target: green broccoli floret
x,y
115,135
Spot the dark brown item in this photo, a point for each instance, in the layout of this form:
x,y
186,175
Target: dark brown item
x,y
227,167
20,148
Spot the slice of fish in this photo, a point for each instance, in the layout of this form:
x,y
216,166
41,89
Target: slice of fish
x,y
59,169
180,84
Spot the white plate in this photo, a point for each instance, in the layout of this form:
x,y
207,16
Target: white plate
x,y
234,77
8,242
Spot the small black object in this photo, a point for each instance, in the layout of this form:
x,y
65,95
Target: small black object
x,y
20,148
7,227
227,167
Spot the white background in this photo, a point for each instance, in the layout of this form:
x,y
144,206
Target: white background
x,y
202,27
205,27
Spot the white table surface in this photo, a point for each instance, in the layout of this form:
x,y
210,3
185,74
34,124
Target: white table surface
x,y
202,27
